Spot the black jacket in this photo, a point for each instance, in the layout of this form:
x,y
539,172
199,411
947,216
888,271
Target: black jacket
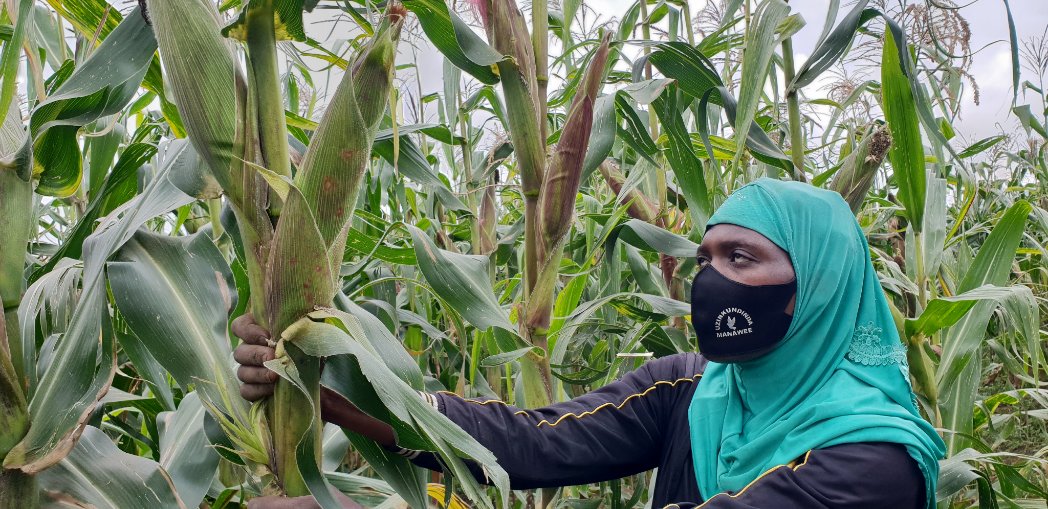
x,y
640,422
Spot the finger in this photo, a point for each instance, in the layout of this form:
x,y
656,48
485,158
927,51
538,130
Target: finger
x,y
253,355
255,392
253,375
245,328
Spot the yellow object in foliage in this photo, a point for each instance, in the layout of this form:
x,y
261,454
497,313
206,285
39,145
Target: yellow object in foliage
x,y
436,492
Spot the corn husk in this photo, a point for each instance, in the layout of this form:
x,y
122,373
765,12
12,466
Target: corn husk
x,y
855,177
557,204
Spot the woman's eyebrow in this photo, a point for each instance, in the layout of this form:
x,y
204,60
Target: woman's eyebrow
x,y
741,243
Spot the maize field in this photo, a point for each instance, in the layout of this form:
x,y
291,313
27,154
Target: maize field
x,y
525,232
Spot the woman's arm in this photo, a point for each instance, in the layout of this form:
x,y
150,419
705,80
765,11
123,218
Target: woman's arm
x,y
862,476
608,433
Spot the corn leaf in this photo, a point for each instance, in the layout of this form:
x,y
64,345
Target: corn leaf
x,y
84,362
97,474
11,52
646,236
1013,44
94,20
907,150
101,86
946,311
698,78
174,293
694,72
833,46
687,167
602,138
352,353
461,281
959,369
981,146
456,40
414,165
185,453
118,187
760,47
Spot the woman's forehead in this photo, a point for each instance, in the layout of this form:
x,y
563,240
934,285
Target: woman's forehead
x,y
735,234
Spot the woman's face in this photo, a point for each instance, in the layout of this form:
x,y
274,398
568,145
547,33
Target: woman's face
x,y
747,257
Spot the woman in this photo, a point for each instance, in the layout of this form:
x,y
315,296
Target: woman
x,y
800,397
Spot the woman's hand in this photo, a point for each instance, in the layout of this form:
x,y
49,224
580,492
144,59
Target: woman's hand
x,y
257,382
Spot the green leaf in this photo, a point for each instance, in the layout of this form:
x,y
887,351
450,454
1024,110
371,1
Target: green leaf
x,y
954,474
698,78
687,167
959,370
981,146
385,344
461,281
84,362
760,47
649,237
946,311
11,54
119,186
456,40
635,134
1029,121
504,357
693,71
833,45
413,164
933,232
174,293
643,273
394,398
287,17
662,305
907,150
993,262
101,86
1013,44
97,474
185,452
602,138
399,474
335,446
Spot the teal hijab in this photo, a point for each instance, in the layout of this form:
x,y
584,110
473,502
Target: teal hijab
x,y
839,376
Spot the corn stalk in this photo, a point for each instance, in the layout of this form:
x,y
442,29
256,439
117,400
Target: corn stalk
x,y
292,262
17,489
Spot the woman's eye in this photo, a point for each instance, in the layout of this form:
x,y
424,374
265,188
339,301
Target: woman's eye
x,y
702,260
738,258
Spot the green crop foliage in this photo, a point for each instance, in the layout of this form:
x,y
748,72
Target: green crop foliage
x,y
525,233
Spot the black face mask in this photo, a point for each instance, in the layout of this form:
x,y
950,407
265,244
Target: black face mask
x,y
737,322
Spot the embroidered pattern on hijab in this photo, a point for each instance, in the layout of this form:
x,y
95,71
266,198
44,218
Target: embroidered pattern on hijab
x,y
839,376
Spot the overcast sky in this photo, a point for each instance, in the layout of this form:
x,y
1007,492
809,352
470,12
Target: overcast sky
x,y
988,20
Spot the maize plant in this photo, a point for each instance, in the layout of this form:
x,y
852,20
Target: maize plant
x,y
292,229
519,226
